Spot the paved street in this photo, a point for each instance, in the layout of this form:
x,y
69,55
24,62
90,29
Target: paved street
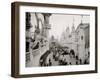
x,y
54,59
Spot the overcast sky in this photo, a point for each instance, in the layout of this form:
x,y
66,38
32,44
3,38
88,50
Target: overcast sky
x,y
59,23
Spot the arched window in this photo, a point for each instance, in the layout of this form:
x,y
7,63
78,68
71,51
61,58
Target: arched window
x,y
81,37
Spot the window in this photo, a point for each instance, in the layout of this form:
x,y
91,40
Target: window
x,y
27,46
81,37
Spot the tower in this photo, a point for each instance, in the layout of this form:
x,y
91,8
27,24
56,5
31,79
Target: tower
x,y
73,37
81,19
67,30
73,27
67,34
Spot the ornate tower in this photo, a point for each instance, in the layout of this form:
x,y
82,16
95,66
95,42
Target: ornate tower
x,y
81,19
67,31
73,27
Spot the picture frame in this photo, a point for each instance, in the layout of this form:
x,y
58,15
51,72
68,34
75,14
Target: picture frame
x,y
22,19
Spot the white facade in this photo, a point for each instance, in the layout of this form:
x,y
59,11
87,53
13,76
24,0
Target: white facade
x,y
68,39
83,40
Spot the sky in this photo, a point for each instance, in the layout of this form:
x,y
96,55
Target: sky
x,y
60,22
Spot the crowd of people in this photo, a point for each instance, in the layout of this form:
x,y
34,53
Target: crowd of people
x,y
61,56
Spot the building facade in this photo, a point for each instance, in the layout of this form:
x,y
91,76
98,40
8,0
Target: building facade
x,y
37,32
82,37
77,40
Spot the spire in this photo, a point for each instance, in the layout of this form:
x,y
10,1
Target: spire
x,y
73,27
81,19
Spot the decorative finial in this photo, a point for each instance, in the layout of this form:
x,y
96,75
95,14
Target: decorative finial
x,y
81,19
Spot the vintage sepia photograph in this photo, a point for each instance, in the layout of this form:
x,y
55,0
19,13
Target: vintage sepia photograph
x,y
54,39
